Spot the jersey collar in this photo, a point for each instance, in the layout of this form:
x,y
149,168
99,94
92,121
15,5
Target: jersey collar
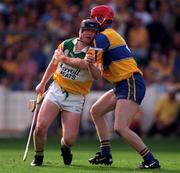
x,y
83,50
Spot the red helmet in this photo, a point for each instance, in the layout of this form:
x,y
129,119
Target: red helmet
x,y
104,12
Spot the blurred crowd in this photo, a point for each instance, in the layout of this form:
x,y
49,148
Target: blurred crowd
x,y
30,30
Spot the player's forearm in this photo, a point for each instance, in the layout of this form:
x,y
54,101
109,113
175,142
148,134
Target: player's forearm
x,y
76,63
94,71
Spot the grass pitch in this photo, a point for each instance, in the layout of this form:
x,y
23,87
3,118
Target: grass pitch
x,y
125,159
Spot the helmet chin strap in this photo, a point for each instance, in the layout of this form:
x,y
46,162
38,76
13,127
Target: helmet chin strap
x,y
83,41
100,23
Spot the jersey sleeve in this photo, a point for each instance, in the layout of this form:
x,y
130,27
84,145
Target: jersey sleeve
x,y
101,41
61,46
54,60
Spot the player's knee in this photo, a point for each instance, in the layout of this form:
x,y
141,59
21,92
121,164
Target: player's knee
x,y
69,141
40,129
94,112
117,131
120,130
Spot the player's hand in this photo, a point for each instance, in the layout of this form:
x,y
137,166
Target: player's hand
x,y
90,59
59,55
40,88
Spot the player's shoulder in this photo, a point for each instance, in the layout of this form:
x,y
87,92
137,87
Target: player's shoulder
x,y
69,40
109,31
66,42
69,43
112,35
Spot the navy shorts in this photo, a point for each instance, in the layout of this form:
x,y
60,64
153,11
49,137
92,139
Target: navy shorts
x,y
132,88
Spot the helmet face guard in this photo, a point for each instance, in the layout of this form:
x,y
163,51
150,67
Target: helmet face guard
x,y
89,24
102,13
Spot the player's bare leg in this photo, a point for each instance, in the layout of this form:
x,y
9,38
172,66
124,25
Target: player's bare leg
x,y
97,112
47,114
70,128
124,114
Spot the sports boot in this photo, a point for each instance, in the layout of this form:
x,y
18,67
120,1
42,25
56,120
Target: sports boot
x,y
153,164
67,155
38,161
100,159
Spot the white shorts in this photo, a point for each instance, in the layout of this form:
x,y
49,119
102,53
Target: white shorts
x,y
65,100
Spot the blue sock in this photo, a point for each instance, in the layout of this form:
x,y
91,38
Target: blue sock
x,y
105,148
146,154
148,157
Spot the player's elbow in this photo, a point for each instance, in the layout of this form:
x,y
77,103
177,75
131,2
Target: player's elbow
x,y
96,76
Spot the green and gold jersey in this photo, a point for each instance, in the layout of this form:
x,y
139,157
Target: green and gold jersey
x,y
72,79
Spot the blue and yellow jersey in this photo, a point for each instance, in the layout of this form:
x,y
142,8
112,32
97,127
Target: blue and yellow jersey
x,y
118,62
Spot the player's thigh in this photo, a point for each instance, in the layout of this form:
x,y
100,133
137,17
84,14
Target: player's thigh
x,y
129,93
104,104
70,124
47,113
125,112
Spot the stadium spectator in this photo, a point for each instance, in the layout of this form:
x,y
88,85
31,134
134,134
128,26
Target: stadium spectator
x,y
36,52
166,114
176,65
26,73
159,37
9,63
73,69
120,69
122,17
141,12
167,17
152,5
155,60
138,41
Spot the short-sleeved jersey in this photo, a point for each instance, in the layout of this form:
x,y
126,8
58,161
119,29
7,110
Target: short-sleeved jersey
x,y
72,79
118,62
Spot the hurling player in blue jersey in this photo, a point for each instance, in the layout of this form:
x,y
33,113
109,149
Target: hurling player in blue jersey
x,y
120,69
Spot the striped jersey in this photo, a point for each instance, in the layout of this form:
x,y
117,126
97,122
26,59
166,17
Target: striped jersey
x,y
118,62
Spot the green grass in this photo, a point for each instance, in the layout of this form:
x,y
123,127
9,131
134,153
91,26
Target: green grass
x,y
125,159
